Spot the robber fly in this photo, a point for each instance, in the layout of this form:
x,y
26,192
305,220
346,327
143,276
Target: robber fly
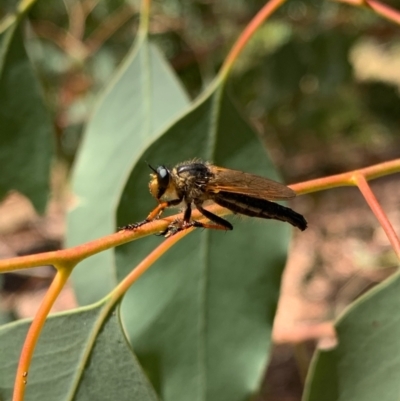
x,y
195,182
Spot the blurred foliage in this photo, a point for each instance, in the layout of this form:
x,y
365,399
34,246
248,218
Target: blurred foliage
x,y
296,79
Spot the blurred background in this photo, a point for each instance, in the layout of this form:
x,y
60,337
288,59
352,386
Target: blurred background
x,y
320,82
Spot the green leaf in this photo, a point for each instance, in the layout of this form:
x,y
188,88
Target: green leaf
x,y
26,142
200,320
366,362
143,96
81,355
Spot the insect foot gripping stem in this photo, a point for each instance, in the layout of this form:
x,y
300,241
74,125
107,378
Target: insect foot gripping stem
x,y
133,226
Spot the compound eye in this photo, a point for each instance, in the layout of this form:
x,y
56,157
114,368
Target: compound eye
x,y
163,180
162,172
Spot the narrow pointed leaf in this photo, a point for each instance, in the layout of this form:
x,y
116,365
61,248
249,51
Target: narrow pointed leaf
x,y
143,96
26,134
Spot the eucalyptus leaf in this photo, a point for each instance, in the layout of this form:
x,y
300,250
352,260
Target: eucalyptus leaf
x,y
26,134
200,320
143,96
365,364
81,355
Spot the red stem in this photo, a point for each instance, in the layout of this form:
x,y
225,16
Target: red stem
x,y
378,212
248,32
34,331
381,9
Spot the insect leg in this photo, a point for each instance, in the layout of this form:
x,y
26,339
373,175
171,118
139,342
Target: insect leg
x,y
188,213
221,224
153,215
179,225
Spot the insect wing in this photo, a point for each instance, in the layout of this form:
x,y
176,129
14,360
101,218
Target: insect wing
x,y
227,180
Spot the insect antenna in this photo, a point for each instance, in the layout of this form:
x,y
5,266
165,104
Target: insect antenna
x,y
151,166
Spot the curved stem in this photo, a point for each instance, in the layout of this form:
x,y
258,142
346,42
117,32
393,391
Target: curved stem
x,y
34,331
144,17
143,266
347,179
378,212
384,11
248,32
76,254
381,9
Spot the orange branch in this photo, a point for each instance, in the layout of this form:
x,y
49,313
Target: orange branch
x,y
347,179
76,254
34,331
65,260
381,9
378,212
248,32
384,11
143,266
